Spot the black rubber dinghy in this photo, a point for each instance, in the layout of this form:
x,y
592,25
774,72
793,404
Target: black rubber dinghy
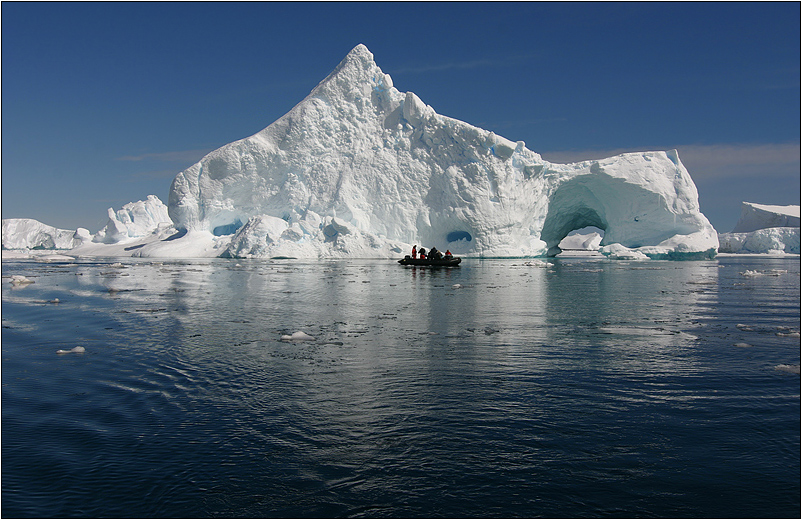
x,y
428,262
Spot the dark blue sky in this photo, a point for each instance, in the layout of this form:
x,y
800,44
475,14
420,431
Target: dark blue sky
x,y
103,103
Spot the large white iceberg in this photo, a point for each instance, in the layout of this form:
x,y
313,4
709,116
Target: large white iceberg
x,y
764,229
359,168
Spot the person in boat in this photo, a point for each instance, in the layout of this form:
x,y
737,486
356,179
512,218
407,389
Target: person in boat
x,y
422,253
434,254
448,255
415,251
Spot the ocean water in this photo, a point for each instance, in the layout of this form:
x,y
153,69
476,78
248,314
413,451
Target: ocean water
x,y
503,388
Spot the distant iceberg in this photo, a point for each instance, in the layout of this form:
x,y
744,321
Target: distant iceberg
x,y
360,169
27,233
128,229
764,229
135,219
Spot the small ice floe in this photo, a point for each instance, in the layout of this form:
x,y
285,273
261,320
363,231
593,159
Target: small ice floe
x,y
297,336
117,265
770,272
54,300
791,369
538,263
19,279
743,345
54,258
456,286
745,328
74,350
788,334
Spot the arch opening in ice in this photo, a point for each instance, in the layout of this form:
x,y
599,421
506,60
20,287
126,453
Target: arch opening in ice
x,y
456,236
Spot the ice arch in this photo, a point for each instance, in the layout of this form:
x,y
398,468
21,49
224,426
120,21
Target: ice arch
x,y
454,236
573,206
629,214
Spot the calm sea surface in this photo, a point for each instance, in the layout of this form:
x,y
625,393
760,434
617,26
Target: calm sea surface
x,y
502,388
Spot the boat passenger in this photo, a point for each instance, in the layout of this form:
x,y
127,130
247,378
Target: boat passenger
x,y
448,256
422,253
434,254
415,251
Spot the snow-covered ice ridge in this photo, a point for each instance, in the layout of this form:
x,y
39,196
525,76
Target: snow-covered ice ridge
x,y
359,169
764,229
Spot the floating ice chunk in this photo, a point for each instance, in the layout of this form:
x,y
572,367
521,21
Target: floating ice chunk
x,y
539,263
74,350
792,369
743,327
743,345
19,279
788,334
54,258
456,286
619,252
297,336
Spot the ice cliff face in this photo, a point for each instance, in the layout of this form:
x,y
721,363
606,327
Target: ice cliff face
x,y
359,168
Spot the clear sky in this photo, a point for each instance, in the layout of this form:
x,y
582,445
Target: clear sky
x,y
104,103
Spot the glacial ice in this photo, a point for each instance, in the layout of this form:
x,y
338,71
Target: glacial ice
x,y
27,233
135,219
359,169
762,216
764,229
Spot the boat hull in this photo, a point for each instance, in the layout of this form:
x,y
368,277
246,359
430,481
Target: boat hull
x,y
408,260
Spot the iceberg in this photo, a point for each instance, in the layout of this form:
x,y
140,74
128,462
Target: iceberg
x,y
762,216
134,226
764,229
134,220
27,233
359,168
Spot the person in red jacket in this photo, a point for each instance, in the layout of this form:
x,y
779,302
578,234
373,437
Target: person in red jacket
x,y
422,253
415,251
